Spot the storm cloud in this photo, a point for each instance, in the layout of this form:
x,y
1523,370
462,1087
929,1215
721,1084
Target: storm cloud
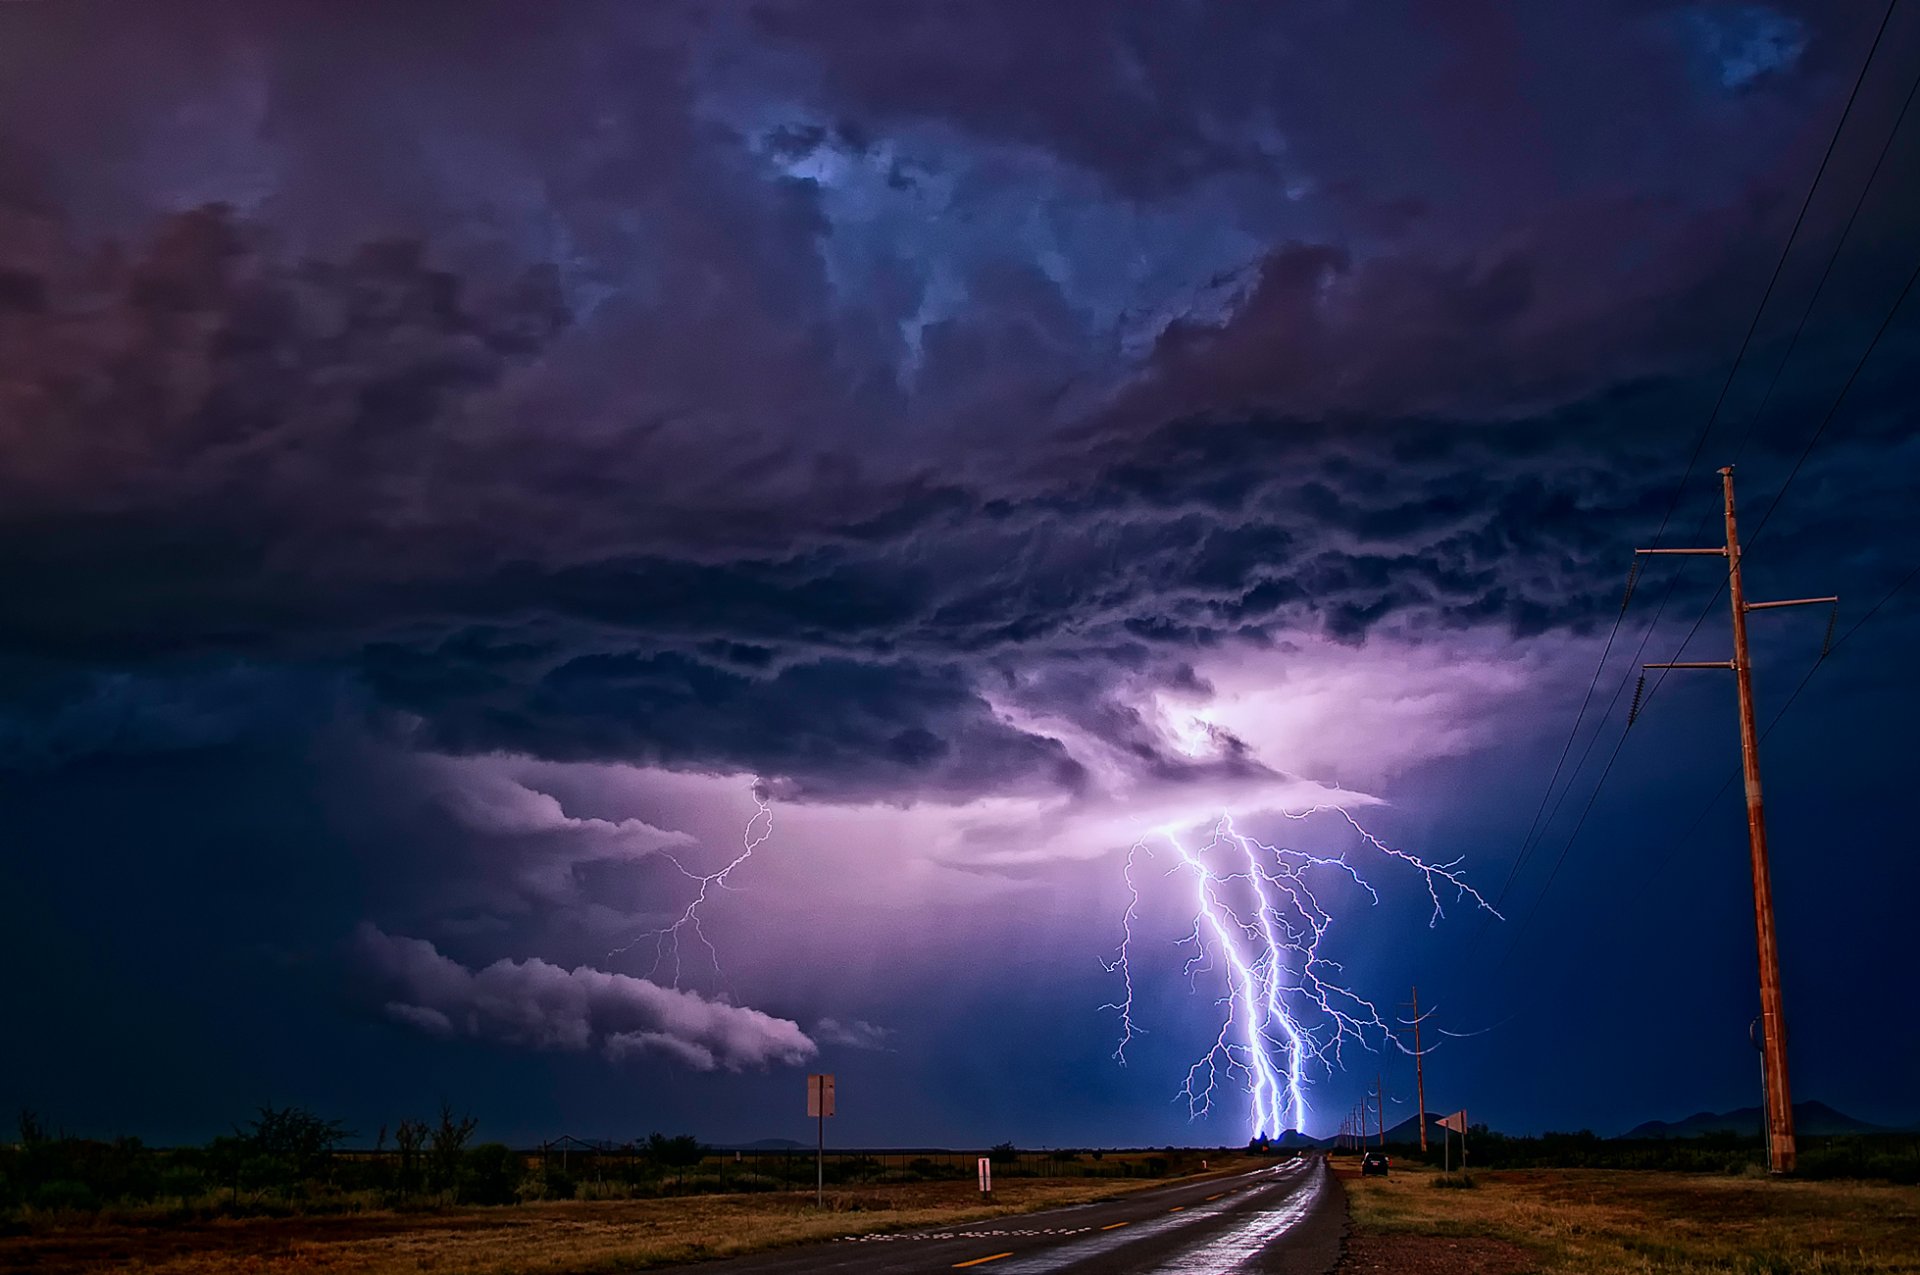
x,y
523,441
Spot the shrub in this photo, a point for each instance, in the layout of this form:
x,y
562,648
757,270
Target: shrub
x,y
560,1186
65,1194
289,1145
182,1182
681,1152
493,1173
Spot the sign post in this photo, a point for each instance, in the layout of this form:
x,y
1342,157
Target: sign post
x,y
986,1177
820,1106
1455,1123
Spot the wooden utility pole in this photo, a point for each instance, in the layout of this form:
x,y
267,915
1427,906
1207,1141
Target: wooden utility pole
x,y
1419,1071
1380,1106
1782,1153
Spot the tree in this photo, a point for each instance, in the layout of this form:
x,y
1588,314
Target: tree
x,y
682,1152
286,1145
446,1144
409,1136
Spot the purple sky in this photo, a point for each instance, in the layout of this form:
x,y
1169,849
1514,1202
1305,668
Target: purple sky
x,y
456,455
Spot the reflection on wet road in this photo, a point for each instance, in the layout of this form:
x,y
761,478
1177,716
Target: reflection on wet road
x,y
1284,1220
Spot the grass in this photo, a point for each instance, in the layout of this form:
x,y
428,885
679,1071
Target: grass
x,y
556,1238
1589,1221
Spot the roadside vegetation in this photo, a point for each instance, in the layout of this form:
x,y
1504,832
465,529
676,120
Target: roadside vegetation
x,y
1891,1157
1590,1221
284,1191
288,1162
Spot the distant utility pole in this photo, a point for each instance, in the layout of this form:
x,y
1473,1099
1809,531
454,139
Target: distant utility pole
x,y
1782,1152
1380,1106
1419,1071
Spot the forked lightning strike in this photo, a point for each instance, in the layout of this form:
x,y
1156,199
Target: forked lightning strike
x,y
667,941
1286,1009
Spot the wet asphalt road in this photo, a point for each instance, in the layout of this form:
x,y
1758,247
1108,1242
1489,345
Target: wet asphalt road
x,y
1283,1220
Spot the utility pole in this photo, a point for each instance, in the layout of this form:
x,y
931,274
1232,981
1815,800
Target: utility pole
x,y
1380,1106
1419,1071
1782,1153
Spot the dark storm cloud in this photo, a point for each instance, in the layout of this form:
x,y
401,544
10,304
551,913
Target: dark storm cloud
x,y
960,405
302,464
650,442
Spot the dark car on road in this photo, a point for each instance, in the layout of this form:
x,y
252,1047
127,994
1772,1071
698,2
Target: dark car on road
x,y
1373,1162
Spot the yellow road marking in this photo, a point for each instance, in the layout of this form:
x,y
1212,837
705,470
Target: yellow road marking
x,y
1176,1208
1111,1225
1215,1197
978,1260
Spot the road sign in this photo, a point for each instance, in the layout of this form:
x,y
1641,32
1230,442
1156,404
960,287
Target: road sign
x,y
820,1095
986,1176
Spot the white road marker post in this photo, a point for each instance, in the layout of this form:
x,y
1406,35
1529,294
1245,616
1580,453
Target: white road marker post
x,y
986,1178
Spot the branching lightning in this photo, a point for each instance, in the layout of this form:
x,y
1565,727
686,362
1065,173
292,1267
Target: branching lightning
x,y
667,941
1259,921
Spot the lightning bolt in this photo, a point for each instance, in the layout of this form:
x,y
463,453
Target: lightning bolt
x,y
1286,1010
667,941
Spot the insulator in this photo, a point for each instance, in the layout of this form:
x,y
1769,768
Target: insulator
x,y
1633,578
1826,643
1639,693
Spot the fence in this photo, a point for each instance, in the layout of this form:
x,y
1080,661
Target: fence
x,y
577,1161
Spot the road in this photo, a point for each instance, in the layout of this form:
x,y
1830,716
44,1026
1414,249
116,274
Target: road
x,y
1283,1220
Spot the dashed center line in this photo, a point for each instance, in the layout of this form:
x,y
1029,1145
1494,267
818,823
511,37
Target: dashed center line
x,y
1176,1208
1215,1197
980,1261
1111,1225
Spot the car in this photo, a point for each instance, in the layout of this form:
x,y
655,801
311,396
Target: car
x,y
1373,1162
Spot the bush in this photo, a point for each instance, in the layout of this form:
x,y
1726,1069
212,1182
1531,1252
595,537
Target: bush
x,y
493,1174
182,1182
682,1152
560,1186
289,1145
65,1194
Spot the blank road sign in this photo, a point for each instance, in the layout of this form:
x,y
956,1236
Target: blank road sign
x,y
820,1094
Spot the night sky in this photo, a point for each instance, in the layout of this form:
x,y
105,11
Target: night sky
x,y
457,458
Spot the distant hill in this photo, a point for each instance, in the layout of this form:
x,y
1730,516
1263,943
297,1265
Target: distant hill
x,y
1815,1119
767,1144
1408,1130
1294,1138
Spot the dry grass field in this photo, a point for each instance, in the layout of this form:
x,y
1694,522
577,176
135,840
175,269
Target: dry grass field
x,y
534,1239
1624,1222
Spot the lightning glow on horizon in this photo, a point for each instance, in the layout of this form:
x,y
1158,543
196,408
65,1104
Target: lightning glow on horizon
x,y
1258,920
667,941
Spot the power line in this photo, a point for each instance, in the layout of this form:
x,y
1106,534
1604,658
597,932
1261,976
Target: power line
x,y
1528,843
1685,838
1873,175
1827,420
1885,324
